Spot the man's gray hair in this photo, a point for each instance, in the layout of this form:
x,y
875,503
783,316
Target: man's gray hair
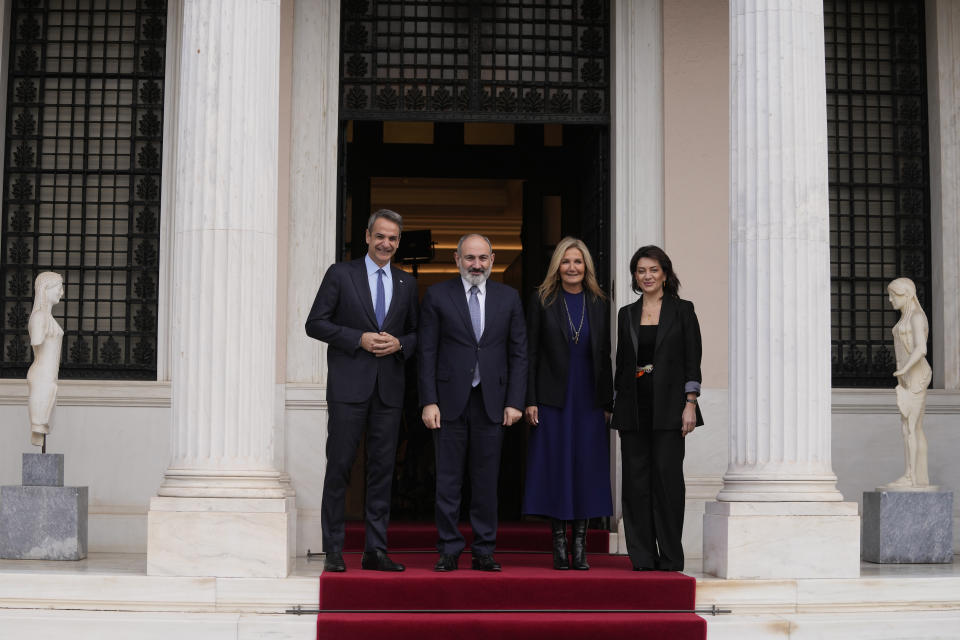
x,y
392,216
464,237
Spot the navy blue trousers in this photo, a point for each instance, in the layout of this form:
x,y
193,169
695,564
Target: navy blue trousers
x,y
468,442
347,423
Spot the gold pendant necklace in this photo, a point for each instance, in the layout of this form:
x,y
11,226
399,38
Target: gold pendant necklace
x,y
583,312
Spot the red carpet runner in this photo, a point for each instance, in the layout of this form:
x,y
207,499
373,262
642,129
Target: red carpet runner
x,y
526,582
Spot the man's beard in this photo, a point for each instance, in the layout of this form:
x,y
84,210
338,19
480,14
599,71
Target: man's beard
x,y
476,278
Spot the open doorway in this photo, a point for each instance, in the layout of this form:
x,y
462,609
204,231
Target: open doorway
x,y
524,186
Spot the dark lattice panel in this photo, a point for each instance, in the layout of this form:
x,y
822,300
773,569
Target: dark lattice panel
x,y
82,181
509,60
879,184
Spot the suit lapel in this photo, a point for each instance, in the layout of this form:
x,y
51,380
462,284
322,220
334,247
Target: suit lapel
x,y
668,314
359,277
400,283
459,298
636,313
489,313
560,313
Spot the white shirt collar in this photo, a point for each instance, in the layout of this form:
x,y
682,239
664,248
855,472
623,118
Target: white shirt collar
x,y
467,284
373,266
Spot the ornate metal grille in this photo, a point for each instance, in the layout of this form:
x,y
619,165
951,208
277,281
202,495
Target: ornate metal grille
x,y
509,60
879,184
82,180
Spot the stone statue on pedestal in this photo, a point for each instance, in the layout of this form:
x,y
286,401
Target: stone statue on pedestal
x,y
46,337
913,377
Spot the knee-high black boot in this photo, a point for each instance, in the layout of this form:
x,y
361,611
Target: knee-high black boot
x,y
580,545
560,560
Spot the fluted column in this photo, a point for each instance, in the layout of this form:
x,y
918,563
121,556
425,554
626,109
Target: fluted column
x,y
780,406
779,513
225,252
224,300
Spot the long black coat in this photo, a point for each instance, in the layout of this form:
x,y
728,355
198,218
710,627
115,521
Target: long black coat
x,y
676,361
548,335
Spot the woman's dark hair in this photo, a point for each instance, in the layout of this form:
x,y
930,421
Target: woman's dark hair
x,y
671,286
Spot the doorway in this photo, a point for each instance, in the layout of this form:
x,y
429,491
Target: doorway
x,y
523,185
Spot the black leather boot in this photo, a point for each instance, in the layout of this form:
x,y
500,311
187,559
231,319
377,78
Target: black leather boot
x,y
580,545
560,560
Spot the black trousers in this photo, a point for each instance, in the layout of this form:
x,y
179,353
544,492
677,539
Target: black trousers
x,y
347,422
468,441
653,497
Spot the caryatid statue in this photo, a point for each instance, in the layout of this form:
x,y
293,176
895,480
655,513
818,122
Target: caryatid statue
x,y
46,337
913,377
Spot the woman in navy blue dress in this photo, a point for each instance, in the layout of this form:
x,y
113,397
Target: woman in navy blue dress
x,y
569,395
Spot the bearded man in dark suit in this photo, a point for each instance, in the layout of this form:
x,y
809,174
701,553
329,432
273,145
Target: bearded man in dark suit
x,y
473,372
366,312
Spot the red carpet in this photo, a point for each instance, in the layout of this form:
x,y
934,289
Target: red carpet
x,y
374,605
514,536
527,581
509,626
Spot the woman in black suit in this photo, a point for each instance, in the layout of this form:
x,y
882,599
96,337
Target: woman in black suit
x,y
657,384
569,390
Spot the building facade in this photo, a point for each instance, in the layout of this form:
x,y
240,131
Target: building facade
x,y
732,134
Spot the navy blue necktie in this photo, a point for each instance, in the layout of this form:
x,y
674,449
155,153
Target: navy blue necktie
x,y
380,308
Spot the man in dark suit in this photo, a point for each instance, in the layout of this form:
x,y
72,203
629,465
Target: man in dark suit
x,y
366,312
473,371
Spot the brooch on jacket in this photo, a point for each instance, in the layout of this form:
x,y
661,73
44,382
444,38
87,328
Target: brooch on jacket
x,y
645,369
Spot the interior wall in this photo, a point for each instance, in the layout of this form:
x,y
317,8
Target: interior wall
x,y
696,111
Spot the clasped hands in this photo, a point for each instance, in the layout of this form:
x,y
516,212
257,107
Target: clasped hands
x,y
431,416
379,344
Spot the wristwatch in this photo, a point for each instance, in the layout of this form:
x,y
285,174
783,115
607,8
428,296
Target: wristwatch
x,y
694,401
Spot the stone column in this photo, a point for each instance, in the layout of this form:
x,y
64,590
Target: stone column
x,y
223,508
779,514
312,247
943,86
636,140
313,181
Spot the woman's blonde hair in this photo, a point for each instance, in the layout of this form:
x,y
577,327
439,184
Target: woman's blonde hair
x,y
551,283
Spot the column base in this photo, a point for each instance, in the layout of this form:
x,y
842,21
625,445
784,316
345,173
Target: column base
x,y
771,540
222,537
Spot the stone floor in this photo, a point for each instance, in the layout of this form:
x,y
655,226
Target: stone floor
x,y
110,596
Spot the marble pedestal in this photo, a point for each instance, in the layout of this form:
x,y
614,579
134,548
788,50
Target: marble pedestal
x,y
223,537
907,527
773,540
42,519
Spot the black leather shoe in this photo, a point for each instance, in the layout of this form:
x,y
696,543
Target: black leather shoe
x,y
447,562
485,563
333,562
379,561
